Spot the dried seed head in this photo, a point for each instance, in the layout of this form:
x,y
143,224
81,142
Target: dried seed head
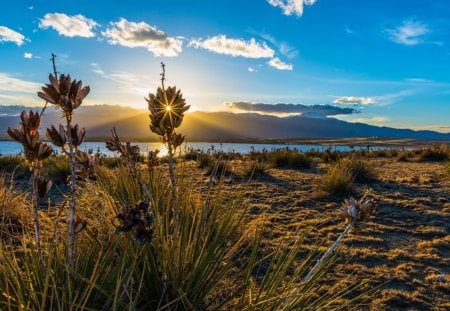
x,y
28,135
177,140
167,108
77,135
43,186
84,164
57,137
358,211
64,93
137,219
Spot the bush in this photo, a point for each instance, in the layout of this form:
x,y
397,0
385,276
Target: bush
x,y
14,164
329,156
404,156
436,153
337,180
255,169
205,160
361,170
285,158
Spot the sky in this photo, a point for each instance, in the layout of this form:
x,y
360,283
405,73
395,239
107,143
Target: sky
x,y
377,62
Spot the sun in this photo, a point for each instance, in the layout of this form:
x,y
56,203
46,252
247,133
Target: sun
x,y
168,108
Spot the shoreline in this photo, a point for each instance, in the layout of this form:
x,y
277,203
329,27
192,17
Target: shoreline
x,y
346,141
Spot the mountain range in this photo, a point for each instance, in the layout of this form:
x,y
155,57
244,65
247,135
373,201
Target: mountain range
x,y
209,126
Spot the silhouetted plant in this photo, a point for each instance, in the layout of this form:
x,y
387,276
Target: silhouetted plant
x,y
35,151
68,95
167,108
130,155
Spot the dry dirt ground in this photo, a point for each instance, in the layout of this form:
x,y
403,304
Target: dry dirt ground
x,y
404,251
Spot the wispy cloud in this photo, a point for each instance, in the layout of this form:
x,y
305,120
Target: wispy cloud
x,y
12,84
282,108
352,100
234,47
15,91
376,120
28,55
283,47
143,35
69,26
278,64
409,33
9,35
251,69
291,7
128,82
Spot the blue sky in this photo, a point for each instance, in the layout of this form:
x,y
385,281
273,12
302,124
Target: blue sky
x,y
390,60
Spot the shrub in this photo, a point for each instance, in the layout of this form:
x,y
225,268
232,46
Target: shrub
x,y
337,180
205,160
436,153
404,156
288,159
14,164
255,169
361,170
329,156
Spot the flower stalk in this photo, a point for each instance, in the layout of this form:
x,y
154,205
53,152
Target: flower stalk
x,y
67,95
35,152
355,213
167,108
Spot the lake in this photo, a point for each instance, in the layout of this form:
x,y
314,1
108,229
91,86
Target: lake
x,y
14,148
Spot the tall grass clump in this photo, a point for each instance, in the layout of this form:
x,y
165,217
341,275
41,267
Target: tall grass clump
x,y
288,159
436,153
340,176
255,169
337,180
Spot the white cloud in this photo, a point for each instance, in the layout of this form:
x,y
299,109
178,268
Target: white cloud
x,y
11,84
234,47
290,7
251,69
28,55
132,35
377,120
15,91
277,63
9,35
409,33
69,26
351,100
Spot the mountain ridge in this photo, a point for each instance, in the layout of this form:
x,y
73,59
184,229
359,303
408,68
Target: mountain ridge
x,y
200,125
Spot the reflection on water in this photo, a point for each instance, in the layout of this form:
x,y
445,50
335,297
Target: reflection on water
x,y
13,148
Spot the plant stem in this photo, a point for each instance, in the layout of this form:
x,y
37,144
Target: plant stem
x,y
320,263
71,251
37,229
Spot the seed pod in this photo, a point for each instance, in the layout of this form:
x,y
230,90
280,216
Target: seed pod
x,y
64,93
58,138
77,135
167,108
43,151
43,186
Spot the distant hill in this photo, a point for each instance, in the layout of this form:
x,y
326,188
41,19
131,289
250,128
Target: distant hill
x,y
133,123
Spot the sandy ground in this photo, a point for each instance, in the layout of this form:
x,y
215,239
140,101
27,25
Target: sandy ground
x,y
403,252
